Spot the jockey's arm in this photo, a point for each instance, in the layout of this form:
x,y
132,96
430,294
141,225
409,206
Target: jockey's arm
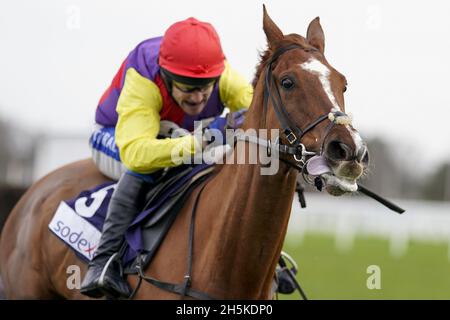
x,y
235,91
138,125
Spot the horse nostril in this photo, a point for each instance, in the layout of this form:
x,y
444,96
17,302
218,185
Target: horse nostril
x,y
338,151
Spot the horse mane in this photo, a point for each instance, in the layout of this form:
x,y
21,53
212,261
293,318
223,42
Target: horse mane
x,y
265,56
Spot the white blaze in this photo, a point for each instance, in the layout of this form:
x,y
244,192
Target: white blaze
x,y
323,73
356,138
319,69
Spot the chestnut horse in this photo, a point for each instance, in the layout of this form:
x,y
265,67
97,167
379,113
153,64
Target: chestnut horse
x,y
241,215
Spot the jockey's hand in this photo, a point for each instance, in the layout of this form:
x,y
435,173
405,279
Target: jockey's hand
x,y
215,131
235,119
218,123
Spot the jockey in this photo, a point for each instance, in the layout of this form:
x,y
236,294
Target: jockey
x,y
177,79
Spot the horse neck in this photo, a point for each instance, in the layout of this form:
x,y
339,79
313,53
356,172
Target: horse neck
x,y
250,224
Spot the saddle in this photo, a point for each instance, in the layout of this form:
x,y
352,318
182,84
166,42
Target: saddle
x,y
79,221
155,226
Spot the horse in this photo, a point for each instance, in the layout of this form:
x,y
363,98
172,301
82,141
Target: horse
x,y
241,215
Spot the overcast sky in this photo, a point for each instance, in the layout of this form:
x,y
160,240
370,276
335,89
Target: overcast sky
x,y
57,57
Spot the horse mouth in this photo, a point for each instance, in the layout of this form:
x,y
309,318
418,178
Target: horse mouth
x,y
337,186
334,184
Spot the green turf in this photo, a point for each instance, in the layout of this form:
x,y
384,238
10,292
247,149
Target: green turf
x,y
422,273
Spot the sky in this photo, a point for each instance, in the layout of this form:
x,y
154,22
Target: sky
x,y
58,56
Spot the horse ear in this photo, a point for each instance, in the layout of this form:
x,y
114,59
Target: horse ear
x,y
315,35
273,33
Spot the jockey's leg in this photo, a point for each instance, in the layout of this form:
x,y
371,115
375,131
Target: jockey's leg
x,y
105,152
126,202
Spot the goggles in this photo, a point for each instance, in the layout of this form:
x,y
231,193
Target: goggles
x,y
185,88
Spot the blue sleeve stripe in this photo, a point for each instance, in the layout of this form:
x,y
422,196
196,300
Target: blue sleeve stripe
x,y
104,141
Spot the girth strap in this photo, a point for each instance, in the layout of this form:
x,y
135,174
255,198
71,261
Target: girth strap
x,y
180,289
183,289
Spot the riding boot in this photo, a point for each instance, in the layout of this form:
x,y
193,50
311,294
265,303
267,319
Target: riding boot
x,y
104,276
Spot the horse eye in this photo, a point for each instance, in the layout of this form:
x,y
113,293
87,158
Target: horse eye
x,y
345,89
287,83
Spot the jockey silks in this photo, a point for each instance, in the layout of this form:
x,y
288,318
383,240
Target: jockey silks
x,y
137,100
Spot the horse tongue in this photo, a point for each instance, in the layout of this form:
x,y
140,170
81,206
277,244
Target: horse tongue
x,y
317,165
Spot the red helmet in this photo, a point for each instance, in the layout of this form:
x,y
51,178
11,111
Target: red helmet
x,y
191,48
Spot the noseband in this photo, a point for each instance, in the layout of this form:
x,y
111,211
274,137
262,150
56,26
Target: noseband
x,y
290,130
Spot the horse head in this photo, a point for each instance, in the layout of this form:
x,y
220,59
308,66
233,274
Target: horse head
x,y
303,96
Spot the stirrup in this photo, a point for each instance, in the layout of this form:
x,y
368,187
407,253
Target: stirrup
x,y
291,260
113,258
291,272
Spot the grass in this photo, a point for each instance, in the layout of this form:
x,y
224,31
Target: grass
x,y
324,273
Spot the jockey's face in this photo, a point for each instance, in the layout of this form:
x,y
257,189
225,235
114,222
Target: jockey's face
x,y
192,100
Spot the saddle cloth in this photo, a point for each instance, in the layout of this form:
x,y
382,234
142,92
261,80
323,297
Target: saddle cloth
x,y
79,221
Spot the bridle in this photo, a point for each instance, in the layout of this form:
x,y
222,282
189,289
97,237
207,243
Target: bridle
x,y
290,130
294,134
